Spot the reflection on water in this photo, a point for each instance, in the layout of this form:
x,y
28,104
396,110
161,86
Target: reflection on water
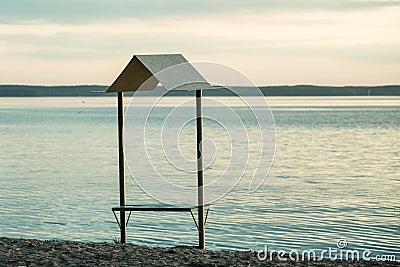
x,y
335,175
274,101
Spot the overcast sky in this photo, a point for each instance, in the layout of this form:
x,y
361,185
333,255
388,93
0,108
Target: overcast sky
x,y
274,42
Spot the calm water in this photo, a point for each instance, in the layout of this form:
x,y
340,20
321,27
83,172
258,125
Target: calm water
x,y
336,175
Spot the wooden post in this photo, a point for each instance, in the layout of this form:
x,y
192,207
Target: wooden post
x,y
121,162
200,179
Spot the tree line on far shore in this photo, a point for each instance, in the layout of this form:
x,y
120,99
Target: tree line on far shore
x,y
298,90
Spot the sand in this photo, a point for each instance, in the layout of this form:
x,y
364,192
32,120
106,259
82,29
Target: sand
x,y
29,252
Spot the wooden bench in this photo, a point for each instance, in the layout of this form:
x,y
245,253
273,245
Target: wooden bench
x,y
165,208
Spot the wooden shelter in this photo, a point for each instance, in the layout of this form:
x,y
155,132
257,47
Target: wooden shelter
x,y
144,72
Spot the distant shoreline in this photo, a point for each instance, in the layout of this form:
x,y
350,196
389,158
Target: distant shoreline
x,y
297,90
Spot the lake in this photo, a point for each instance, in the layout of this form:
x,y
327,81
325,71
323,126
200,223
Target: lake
x,y
336,175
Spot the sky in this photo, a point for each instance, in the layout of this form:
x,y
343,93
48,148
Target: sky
x,y
273,42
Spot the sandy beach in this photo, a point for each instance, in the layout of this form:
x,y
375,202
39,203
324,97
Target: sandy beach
x,y
30,252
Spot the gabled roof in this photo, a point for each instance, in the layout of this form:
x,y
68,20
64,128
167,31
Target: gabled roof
x,y
144,72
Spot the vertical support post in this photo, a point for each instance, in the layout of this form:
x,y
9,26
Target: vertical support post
x,y
200,179
121,162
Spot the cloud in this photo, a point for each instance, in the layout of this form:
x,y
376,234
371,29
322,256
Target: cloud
x,y
253,30
53,41
84,11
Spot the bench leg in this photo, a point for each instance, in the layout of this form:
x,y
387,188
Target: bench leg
x,y
127,221
195,221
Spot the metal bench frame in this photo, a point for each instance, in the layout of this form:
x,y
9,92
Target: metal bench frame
x,y
165,208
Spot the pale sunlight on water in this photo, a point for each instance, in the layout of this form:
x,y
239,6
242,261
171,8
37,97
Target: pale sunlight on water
x,y
336,175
